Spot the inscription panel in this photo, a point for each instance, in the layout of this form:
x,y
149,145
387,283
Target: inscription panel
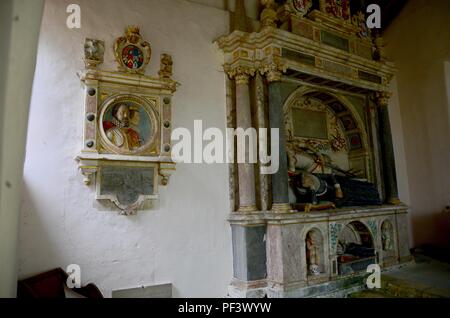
x,y
127,183
334,41
310,124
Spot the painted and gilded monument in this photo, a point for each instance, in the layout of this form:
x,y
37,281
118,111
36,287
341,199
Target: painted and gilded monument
x,y
316,72
127,123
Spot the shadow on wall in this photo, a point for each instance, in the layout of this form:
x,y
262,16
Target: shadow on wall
x,y
437,226
37,252
442,221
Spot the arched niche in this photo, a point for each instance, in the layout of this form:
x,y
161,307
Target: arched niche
x,y
356,232
329,124
356,248
387,236
315,253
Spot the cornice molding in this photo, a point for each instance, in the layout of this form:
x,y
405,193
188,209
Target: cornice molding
x,y
166,85
264,48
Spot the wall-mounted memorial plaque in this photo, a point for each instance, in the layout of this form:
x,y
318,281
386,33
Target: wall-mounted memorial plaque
x,y
127,123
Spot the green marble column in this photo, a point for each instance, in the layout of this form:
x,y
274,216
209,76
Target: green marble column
x,y
387,150
280,194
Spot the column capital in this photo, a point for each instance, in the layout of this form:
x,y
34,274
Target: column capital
x,y
272,70
382,98
241,74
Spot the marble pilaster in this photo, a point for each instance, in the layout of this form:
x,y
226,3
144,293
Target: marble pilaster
x,y
246,171
387,149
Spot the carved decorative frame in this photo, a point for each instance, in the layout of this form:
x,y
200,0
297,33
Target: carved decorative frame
x,y
151,96
151,107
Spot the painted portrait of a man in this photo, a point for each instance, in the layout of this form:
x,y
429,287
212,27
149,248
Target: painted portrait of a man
x,y
120,131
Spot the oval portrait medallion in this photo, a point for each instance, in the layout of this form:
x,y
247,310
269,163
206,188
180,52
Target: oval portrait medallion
x,y
128,126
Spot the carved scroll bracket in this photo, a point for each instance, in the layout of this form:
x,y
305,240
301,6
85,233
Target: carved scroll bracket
x,y
165,172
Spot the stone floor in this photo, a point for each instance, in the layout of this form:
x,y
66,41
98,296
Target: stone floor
x,y
423,279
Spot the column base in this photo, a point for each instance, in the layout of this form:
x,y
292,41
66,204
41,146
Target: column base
x,y
281,208
247,208
338,288
394,201
241,289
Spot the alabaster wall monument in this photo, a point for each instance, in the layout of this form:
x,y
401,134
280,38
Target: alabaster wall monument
x,y
127,123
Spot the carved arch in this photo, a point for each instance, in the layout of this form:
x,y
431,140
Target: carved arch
x,y
356,135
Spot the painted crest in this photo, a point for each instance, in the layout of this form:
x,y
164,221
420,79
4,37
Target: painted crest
x,y
338,8
301,7
132,52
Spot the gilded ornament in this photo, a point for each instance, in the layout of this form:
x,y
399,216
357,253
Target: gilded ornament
x,y
132,53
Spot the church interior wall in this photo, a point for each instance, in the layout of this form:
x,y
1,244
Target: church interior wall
x,y
415,42
184,239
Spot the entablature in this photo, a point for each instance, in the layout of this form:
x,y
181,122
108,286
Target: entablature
x,y
335,215
288,51
138,82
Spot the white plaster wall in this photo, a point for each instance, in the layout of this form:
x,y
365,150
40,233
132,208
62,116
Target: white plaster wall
x,y
418,42
19,31
398,140
187,239
252,6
